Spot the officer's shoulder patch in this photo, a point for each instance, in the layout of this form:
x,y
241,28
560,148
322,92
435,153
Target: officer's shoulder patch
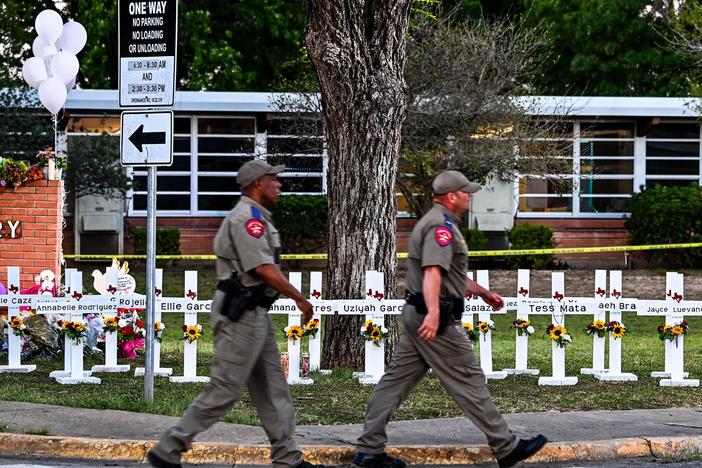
x,y
255,227
443,236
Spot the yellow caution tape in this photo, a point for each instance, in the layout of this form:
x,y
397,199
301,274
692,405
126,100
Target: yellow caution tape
x,y
401,255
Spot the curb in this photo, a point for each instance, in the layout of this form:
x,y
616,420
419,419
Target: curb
x,y
133,450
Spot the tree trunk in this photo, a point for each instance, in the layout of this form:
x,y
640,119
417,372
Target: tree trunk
x,y
358,51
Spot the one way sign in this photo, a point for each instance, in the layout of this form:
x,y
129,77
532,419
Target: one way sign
x,y
146,138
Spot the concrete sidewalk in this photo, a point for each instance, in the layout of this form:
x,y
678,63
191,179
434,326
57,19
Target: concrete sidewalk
x,y
120,435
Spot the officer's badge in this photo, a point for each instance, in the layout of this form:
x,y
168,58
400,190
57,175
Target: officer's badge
x,y
443,236
255,228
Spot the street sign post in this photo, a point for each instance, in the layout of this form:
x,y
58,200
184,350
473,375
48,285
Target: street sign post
x,y
148,32
146,138
148,38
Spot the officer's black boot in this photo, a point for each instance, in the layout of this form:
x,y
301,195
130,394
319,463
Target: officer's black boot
x,y
378,460
306,464
159,462
523,450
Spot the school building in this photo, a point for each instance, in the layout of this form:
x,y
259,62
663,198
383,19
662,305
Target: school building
x,y
614,145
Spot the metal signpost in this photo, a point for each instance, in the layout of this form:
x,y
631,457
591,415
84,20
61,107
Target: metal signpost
x,y
148,37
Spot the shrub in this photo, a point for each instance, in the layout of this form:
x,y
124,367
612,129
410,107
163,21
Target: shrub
x,y
475,239
667,215
302,223
531,236
167,242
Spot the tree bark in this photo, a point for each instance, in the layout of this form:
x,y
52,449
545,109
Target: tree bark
x,y
358,51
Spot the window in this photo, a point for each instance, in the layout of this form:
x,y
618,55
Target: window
x,y
672,154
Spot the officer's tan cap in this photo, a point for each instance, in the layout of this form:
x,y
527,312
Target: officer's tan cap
x,y
253,170
453,181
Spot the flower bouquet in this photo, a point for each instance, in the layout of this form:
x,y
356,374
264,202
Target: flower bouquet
x,y
672,332
191,332
597,326
311,328
559,335
158,331
485,327
130,333
18,327
523,327
373,332
74,330
616,329
470,332
294,332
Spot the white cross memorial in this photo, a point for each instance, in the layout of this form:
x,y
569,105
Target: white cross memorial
x,y
598,343
616,306
13,300
111,337
476,304
521,341
158,370
189,306
294,376
674,309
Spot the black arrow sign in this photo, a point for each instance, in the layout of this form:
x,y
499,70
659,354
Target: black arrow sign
x,y
140,138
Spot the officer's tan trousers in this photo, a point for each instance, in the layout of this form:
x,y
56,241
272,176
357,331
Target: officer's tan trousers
x,y
450,356
246,353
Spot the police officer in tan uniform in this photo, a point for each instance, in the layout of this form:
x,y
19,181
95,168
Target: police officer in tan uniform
x,y
433,336
247,247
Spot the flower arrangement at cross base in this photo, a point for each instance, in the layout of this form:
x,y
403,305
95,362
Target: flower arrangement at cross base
x,y
616,329
373,332
294,332
672,332
559,335
191,332
18,327
598,327
470,332
485,327
523,327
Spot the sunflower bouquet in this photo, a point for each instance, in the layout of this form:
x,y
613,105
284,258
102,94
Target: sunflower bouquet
x,y
672,332
374,332
294,332
559,335
191,332
597,326
470,331
617,329
18,327
485,327
75,330
311,328
110,324
523,327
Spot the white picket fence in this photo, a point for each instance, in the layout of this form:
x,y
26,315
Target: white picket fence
x,y
605,301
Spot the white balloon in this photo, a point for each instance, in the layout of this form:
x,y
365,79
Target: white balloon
x,y
48,51
34,71
49,25
73,37
64,66
70,86
38,46
52,93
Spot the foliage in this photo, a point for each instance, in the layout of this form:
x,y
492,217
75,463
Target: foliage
x,y
462,79
167,242
606,48
475,238
94,168
531,236
667,215
15,173
302,222
222,46
25,127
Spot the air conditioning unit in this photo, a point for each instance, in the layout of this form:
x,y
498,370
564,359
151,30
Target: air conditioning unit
x,y
99,223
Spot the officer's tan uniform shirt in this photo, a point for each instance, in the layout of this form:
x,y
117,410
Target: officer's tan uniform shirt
x,y
246,240
437,241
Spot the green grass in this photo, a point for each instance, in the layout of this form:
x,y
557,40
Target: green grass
x,y
338,399
42,431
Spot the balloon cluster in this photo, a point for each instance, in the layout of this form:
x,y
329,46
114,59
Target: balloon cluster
x,y
54,67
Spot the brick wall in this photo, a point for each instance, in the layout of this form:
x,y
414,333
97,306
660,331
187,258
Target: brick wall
x,y
37,206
